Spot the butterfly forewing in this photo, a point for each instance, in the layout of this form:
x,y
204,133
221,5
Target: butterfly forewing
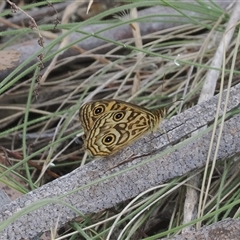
x,y
91,111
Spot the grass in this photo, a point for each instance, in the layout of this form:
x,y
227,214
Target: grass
x,y
40,123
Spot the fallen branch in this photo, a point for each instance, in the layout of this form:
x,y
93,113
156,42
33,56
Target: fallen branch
x,y
226,229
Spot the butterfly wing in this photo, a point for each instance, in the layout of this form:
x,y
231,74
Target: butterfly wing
x,y
109,125
91,111
115,130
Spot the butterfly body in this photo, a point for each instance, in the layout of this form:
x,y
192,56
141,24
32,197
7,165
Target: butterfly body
x,y
109,125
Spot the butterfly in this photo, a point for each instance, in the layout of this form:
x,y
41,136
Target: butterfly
x,y
109,125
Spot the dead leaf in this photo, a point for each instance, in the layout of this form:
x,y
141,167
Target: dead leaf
x,y
7,58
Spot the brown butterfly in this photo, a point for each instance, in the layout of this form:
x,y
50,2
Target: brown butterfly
x,y
110,125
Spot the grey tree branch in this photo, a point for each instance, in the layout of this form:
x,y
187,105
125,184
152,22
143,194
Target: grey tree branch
x,y
227,229
95,188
